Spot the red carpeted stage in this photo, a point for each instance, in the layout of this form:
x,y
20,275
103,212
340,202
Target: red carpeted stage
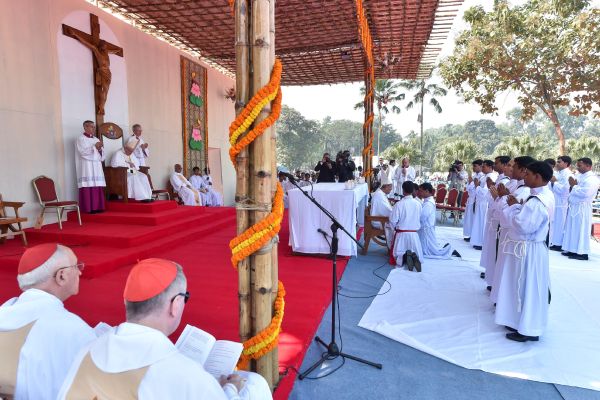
x,y
197,238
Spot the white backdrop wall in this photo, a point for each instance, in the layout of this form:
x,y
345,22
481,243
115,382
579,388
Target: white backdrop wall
x,y
41,113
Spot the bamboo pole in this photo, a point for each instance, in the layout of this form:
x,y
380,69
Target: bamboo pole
x,y
242,96
261,181
274,354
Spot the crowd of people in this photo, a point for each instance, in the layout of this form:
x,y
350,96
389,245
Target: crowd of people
x,y
90,153
518,209
50,353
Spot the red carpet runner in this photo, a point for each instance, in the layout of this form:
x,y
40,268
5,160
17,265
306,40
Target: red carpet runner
x,y
199,243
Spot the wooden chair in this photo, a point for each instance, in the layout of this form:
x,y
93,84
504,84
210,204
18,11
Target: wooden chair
x,y
372,233
46,194
156,193
173,193
8,223
116,182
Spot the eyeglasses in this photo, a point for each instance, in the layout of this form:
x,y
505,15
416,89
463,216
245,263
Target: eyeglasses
x,y
186,297
80,267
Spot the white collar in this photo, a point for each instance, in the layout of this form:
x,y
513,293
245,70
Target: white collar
x,y
29,306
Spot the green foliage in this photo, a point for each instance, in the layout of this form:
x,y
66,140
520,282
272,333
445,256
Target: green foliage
x,y
585,146
463,149
533,146
399,151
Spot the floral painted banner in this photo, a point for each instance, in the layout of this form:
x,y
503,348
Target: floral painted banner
x,y
194,115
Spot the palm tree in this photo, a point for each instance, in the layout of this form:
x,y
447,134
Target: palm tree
x,y
386,93
585,146
459,149
422,91
399,151
514,146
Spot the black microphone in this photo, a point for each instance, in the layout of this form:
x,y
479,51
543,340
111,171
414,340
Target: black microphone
x,y
321,231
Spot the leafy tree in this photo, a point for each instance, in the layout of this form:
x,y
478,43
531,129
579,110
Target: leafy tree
x,y
399,151
299,142
386,93
585,146
546,50
465,150
533,146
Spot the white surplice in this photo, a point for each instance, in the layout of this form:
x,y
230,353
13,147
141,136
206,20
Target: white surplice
x,y
578,225
406,216
429,243
560,188
88,162
521,193
216,199
198,183
482,196
52,344
138,186
468,216
400,177
523,295
185,190
140,154
170,375
381,207
487,259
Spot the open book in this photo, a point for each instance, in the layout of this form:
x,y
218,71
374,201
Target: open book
x,y
218,357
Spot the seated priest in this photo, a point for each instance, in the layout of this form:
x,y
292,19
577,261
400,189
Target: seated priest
x,y
429,242
138,186
216,199
197,181
39,338
183,187
405,220
137,360
381,207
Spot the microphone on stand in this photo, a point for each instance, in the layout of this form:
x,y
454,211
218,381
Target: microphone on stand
x,y
291,177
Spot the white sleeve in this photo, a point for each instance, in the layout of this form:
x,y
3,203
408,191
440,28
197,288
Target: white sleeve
x,y
86,151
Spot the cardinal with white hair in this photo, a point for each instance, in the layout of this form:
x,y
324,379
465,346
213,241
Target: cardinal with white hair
x,y
39,338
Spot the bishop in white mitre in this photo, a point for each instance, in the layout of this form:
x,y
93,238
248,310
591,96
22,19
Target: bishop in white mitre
x,y
470,205
405,220
381,207
429,243
138,186
183,187
39,338
560,187
137,360
583,190
89,155
524,293
141,151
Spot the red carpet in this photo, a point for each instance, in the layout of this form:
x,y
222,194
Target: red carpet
x,y
109,243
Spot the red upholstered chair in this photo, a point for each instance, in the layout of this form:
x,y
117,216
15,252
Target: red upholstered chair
x,y
46,193
450,204
440,196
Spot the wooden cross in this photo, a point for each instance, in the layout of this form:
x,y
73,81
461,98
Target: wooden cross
x,y
100,49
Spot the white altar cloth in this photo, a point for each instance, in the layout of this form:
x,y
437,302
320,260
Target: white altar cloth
x,y
347,206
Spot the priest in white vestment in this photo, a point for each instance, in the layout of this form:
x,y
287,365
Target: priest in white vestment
x,y
89,155
404,173
405,220
183,187
429,243
138,186
578,227
560,188
470,205
216,199
39,338
482,197
381,207
524,293
197,181
141,151
136,359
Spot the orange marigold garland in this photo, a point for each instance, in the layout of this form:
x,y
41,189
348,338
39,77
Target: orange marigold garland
x,y
259,234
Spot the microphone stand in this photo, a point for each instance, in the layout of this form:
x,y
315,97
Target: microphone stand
x,y
333,351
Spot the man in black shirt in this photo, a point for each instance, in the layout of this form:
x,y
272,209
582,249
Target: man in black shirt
x,y
345,167
327,169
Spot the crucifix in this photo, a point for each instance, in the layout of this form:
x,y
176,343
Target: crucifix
x,y
101,49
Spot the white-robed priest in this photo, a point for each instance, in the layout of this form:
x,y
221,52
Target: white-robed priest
x,y
141,151
405,220
582,191
39,338
183,187
560,188
482,197
524,292
197,181
89,155
470,205
138,186
137,360
429,243
216,199
381,207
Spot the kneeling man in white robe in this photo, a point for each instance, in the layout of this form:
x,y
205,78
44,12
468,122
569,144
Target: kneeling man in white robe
x,y
137,360
381,207
429,242
39,338
183,187
524,292
138,186
405,220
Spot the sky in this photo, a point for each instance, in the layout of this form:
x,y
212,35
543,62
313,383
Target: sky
x,y
337,101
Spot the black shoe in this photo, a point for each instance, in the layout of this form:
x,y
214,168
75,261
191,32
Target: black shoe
x,y
477,247
566,253
510,329
482,275
467,239
409,260
456,253
146,201
517,337
417,262
555,248
489,288
579,257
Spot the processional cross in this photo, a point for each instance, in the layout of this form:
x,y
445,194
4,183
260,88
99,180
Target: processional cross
x,y
101,49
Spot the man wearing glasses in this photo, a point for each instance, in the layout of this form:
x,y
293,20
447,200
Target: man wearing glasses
x,y
39,338
137,356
